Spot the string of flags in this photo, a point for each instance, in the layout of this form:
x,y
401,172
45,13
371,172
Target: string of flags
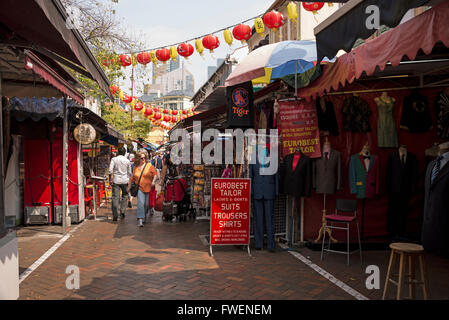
x,y
272,20
164,118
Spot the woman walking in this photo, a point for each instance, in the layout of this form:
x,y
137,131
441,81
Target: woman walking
x,y
146,173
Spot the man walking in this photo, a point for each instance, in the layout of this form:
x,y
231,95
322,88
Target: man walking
x,y
120,169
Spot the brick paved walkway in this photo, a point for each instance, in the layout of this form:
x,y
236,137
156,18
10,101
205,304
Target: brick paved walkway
x,y
118,260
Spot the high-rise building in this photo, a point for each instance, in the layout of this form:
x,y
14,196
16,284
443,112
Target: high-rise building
x,y
211,69
174,65
178,79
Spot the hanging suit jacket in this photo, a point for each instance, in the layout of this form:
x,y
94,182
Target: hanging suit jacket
x,y
401,178
327,173
263,186
298,182
435,235
364,183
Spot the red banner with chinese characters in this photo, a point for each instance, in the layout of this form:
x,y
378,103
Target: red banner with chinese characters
x,y
230,205
299,126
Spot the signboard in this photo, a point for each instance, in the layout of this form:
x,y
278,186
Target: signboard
x,y
84,133
299,126
240,105
230,212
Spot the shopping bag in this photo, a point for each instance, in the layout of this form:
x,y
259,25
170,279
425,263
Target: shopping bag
x,y
152,195
159,205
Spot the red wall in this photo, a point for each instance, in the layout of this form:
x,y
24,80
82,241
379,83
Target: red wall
x,y
350,143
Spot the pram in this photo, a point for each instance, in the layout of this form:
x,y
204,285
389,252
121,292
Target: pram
x,y
177,201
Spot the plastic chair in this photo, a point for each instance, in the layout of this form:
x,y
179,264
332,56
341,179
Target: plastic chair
x,y
88,199
346,206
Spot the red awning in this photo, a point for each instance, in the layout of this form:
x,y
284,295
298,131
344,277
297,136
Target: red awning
x,y
52,77
421,32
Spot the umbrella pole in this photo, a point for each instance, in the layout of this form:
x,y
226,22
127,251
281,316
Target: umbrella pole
x,y
296,81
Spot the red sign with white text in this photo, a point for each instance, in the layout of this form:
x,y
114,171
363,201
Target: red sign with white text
x,y
299,126
230,205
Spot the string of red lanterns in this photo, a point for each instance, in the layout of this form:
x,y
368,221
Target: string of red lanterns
x,y
272,20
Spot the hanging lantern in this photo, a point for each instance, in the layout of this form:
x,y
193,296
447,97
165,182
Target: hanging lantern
x,y
157,116
228,37
167,118
211,42
148,112
127,99
313,6
292,11
138,106
155,109
190,111
173,53
153,57
199,46
144,58
184,112
242,32
185,50
163,55
174,112
165,111
106,62
133,103
125,60
259,26
114,89
273,20
121,95
134,60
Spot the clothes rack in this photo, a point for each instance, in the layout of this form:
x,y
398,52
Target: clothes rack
x,y
384,89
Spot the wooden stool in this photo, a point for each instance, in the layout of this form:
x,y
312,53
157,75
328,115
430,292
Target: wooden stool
x,y
410,251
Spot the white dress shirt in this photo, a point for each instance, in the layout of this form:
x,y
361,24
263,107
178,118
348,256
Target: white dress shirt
x,y
120,167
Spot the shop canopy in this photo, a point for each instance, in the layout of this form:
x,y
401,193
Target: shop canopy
x,y
51,109
420,41
349,23
40,25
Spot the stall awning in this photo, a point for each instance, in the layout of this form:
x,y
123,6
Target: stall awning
x,y
48,74
213,100
41,25
420,33
349,23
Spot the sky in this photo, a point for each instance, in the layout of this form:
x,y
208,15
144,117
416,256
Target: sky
x,y
162,23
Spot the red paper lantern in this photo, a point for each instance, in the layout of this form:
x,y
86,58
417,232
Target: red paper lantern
x,y
127,99
211,42
125,60
163,55
138,106
155,109
242,32
185,50
273,20
157,116
165,111
107,62
184,112
144,58
148,112
174,112
174,119
313,6
114,89
167,118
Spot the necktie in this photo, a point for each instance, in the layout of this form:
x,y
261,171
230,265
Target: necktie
x,y
403,159
326,155
436,169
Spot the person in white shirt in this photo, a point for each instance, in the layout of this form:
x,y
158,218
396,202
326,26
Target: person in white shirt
x,y
120,169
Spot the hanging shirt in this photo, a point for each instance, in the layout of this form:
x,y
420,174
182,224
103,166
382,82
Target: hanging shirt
x,y
416,114
356,114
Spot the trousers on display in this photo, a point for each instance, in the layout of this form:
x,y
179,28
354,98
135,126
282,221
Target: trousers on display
x,y
397,213
264,212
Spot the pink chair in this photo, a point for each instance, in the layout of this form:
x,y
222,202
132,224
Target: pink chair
x,y
343,222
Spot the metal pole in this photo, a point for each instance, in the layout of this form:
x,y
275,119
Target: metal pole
x,y
132,94
64,167
2,188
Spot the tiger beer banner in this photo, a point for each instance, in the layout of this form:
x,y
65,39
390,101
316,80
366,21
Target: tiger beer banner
x,y
240,105
299,126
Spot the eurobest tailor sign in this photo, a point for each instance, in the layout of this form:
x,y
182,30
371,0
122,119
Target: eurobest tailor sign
x,y
230,216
